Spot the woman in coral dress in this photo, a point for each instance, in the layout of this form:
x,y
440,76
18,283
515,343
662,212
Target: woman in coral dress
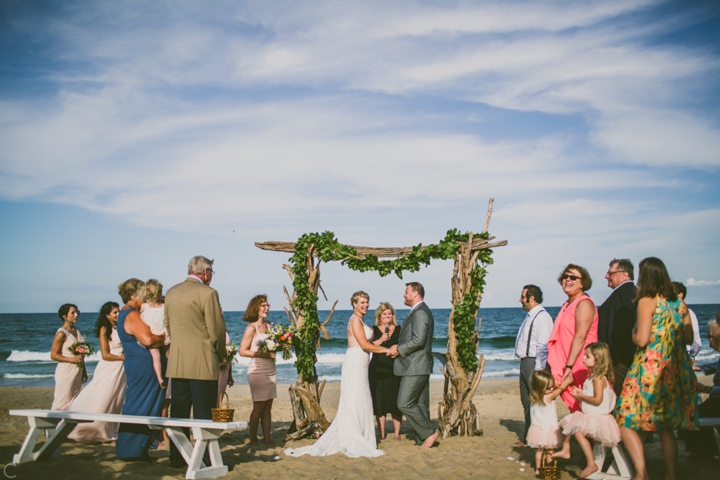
x,y
659,393
106,391
70,372
576,327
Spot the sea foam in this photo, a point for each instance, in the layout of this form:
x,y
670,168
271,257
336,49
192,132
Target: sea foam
x,y
29,356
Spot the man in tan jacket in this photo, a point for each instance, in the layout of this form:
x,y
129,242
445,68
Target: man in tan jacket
x,y
195,325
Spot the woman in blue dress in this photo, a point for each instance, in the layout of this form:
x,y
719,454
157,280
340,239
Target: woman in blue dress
x,y
144,395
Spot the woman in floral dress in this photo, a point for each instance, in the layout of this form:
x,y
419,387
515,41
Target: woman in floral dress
x,y
659,393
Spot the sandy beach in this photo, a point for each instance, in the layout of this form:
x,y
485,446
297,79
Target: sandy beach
x,y
492,455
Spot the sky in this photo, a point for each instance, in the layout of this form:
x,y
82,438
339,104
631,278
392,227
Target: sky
x,y
135,135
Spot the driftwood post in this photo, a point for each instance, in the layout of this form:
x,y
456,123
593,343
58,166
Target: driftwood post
x,y
457,413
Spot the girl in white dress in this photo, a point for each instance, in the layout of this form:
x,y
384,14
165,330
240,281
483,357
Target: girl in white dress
x,y
544,432
352,432
594,421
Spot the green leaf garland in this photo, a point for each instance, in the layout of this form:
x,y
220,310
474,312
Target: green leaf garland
x,y
328,249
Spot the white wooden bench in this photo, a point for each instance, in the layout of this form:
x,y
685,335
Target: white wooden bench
x,y
620,468
58,424
710,422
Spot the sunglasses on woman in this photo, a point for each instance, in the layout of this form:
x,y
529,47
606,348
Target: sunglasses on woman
x,y
565,276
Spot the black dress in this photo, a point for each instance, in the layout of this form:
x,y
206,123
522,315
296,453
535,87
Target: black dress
x,y
384,384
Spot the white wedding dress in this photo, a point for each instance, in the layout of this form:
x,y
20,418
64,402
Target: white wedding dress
x,y
352,432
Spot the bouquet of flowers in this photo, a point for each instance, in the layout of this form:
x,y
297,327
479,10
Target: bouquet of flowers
x,y
230,351
279,337
83,349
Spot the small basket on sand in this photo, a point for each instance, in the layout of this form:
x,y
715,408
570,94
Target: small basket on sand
x,y
549,471
223,414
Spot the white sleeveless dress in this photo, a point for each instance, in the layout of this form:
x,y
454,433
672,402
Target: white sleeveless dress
x,y
352,432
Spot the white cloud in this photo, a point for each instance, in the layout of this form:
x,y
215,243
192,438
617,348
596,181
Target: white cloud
x,y
691,282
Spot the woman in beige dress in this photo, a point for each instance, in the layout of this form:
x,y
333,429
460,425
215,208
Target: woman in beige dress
x,y
261,371
106,391
70,372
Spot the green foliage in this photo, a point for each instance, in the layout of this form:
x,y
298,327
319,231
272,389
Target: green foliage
x,y
329,249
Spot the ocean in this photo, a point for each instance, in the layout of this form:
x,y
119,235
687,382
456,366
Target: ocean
x,y
25,340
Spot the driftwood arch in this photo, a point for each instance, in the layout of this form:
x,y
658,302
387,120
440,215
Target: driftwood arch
x,y
463,370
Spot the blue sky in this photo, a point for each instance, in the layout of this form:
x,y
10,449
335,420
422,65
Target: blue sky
x,y
138,134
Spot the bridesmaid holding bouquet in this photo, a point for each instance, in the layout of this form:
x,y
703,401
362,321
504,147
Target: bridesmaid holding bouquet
x,y
70,372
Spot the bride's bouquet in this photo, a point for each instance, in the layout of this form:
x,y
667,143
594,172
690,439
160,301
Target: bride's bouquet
x,y
230,352
81,348
279,337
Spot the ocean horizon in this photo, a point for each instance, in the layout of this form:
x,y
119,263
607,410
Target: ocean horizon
x,y
25,340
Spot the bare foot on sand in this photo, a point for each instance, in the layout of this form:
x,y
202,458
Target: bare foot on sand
x,y
269,444
589,470
430,441
561,454
397,437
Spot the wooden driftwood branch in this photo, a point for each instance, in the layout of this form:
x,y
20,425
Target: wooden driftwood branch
x,y
380,252
489,214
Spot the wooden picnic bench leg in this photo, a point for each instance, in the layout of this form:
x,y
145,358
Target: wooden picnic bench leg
x,y
58,431
206,439
177,436
622,463
621,468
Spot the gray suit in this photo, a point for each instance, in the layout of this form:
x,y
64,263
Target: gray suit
x,y
414,365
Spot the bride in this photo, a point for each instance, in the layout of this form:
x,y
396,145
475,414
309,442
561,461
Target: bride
x,y
353,430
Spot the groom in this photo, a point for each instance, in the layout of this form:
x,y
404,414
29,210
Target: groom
x,y
414,364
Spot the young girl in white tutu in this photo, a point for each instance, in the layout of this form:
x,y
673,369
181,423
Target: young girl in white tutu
x,y
544,432
595,420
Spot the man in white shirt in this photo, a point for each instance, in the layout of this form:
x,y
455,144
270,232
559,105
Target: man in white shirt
x,y
696,346
531,345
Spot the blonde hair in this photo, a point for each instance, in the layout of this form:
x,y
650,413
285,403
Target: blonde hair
x,y
603,361
129,288
381,308
357,295
152,291
540,382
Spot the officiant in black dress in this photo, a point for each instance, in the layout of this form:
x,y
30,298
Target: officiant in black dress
x,y
384,384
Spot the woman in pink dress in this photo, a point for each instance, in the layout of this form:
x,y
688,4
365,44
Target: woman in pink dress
x,y
576,326
106,391
261,371
70,372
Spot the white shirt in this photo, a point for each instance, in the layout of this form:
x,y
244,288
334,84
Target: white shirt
x,y
542,326
696,345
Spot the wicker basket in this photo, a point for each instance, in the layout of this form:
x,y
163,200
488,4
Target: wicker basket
x,y
223,414
549,471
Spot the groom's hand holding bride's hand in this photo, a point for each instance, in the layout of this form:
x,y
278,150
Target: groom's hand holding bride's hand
x,y
392,352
